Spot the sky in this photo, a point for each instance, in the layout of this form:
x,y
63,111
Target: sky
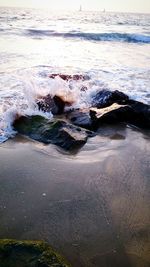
x,y
142,6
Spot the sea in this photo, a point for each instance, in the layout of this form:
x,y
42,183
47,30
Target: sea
x,y
112,49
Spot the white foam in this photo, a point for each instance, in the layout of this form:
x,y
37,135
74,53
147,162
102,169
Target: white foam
x,y
33,87
6,128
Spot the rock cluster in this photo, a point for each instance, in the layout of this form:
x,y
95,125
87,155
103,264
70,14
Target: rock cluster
x,y
72,131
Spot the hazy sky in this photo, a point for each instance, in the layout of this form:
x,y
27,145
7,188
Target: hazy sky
x,y
110,5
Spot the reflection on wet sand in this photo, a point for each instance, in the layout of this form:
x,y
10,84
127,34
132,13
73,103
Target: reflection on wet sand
x,y
95,212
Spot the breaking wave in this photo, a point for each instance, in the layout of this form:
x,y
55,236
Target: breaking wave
x,y
117,37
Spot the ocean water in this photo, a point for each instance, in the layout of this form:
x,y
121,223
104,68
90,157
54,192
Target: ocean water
x,y
113,49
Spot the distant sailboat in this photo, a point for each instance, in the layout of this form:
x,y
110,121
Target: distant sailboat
x,y
104,10
80,9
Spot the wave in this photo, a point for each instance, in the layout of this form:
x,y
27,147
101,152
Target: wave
x,y
117,37
35,32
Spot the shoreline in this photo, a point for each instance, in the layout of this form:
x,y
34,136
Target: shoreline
x,y
92,207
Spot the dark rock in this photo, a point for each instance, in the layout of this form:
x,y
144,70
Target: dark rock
x,y
58,132
51,104
15,253
60,104
140,115
67,77
109,115
119,98
105,98
137,114
46,104
55,104
80,118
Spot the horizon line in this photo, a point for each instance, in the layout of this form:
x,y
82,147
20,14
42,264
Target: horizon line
x,y
83,10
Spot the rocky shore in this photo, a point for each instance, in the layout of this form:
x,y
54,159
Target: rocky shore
x,y
70,128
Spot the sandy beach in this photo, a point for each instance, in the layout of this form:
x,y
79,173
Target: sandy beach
x,y
93,207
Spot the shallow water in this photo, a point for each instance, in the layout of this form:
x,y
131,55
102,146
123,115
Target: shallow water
x,y
93,207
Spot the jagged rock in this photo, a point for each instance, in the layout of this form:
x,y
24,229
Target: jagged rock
x,y
112,107
137,114
46,104
105,98
109,115
54,104
15,253
71,136
58,132
140,115
67,77
80,118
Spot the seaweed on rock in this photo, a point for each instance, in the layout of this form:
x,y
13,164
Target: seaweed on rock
x,y
57,132
14,253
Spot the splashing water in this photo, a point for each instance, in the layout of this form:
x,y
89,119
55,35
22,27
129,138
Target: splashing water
x,y
112,49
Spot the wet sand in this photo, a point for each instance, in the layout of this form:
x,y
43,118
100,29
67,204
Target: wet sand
x,y
93,207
